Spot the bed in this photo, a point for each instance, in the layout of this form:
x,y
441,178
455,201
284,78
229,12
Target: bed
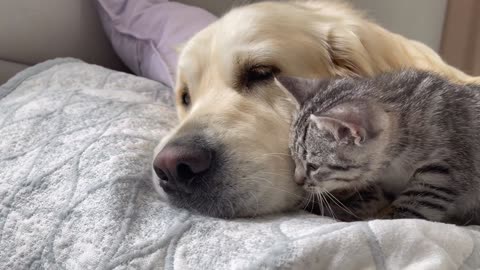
x,y
75,152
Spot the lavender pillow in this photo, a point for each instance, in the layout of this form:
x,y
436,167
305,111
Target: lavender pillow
x,y
146,33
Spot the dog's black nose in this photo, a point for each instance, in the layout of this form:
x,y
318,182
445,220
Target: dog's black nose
x,y
178,165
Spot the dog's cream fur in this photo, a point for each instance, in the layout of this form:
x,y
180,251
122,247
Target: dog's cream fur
x,y
308,39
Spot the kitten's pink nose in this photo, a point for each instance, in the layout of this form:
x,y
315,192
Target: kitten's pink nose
x,y
299,176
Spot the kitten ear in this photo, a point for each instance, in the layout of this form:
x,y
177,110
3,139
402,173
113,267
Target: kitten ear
x,y
300,88
339,129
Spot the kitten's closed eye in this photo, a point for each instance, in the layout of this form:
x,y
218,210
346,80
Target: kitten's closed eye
x,y
311,167
338,167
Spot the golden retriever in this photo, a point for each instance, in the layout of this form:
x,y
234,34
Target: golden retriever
x,y
229,155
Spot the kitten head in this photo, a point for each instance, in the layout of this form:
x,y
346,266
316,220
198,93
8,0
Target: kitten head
x,y
340,147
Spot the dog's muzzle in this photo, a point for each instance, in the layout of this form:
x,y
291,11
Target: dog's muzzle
x,y
201,174
192,172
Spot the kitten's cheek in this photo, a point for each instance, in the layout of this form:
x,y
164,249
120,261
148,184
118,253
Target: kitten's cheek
x,y
334,185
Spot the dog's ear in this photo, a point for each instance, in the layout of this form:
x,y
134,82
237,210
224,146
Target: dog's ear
x,y
179,48
349,55
301,89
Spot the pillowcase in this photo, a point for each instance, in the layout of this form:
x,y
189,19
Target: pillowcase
x,y
146,33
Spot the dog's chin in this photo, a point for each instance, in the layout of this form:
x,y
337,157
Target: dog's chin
x,y
230,202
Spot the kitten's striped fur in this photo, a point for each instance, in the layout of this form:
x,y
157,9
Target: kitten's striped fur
x,y
410,134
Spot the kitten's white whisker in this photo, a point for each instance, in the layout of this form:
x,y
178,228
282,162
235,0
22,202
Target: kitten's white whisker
x,y
340,204
308,201
231,207
323,204
320,201
328,205
358,192
313,202
257,204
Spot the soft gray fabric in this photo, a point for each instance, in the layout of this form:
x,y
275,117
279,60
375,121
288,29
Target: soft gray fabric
x,y
75,151
9,69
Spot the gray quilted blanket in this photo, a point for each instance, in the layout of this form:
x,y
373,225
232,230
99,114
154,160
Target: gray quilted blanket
x,y
75,148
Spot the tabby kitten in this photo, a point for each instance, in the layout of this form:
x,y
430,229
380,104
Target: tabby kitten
x,y
409,141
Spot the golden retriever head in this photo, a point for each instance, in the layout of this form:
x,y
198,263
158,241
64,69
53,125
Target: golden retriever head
x,y
229,155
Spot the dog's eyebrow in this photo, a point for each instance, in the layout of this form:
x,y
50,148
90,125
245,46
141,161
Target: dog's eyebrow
x,y
239,80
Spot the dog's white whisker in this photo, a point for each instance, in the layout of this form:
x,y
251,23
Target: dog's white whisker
x,y
274,174
277,154
271,186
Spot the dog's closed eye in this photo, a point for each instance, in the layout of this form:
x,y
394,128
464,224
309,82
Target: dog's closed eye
x,y
185,97
258,74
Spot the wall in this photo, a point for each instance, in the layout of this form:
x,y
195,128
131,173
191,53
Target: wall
x,y
421,20
461,37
